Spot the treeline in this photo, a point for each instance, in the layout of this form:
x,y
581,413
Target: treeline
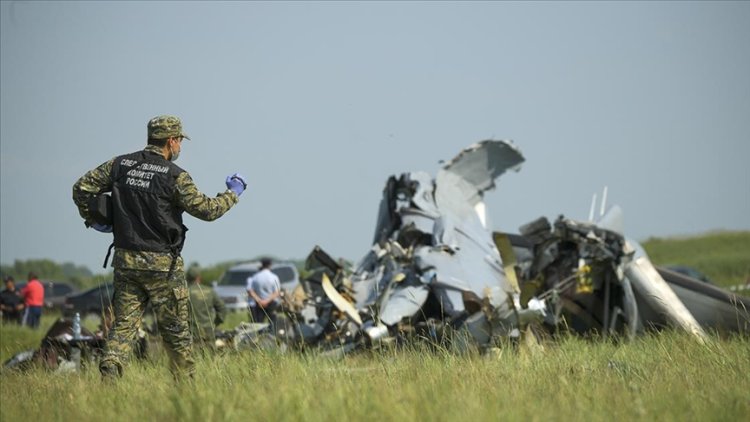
x,y
81,277
49,270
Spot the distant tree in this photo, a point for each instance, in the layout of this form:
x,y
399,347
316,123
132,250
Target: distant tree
x,y
49,270
73,271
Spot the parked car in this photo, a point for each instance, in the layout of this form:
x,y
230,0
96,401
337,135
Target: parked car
x,y
92,301
232,287
55,293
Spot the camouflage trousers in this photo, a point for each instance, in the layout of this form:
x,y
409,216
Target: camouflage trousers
x,y
169,301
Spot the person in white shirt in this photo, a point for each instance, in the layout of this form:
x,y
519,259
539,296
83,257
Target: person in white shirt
x,y
264,292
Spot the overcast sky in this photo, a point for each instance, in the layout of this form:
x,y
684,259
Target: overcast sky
x,y
318,103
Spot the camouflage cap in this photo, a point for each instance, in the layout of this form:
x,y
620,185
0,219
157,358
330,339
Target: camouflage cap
x,y
163,127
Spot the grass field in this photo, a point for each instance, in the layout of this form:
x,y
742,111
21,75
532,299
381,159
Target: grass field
x,y
666,376
723,256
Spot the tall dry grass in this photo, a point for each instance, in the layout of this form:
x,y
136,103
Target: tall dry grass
x,y
656,377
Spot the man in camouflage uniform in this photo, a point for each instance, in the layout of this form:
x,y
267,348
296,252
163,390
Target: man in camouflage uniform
x,y
207,310
149,195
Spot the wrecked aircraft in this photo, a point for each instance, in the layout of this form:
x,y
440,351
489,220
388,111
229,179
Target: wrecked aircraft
x,y
436,270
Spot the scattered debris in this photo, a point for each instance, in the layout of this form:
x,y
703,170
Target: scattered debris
x,y
68,346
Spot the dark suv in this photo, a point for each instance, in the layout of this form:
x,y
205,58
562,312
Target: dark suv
x,y
92,301
55,293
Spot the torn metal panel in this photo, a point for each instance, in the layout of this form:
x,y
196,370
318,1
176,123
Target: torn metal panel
x,y
365,285
339,301
424,193
457,197
479,328
404,302
480,164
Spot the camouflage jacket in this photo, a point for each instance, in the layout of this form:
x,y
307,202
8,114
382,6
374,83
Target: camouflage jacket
x,y
187,197
207,310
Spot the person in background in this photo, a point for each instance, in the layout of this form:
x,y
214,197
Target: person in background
x,y
11,303
207,310
264,291
33,299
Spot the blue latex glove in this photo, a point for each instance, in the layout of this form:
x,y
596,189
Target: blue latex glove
x,y
102,228
236,183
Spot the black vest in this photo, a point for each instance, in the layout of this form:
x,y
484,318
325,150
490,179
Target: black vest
x,y
145,215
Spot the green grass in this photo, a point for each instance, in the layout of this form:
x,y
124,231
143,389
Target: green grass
x,y
667,376
723,256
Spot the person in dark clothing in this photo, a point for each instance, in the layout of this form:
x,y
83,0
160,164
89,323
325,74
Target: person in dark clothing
x,y
11,304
